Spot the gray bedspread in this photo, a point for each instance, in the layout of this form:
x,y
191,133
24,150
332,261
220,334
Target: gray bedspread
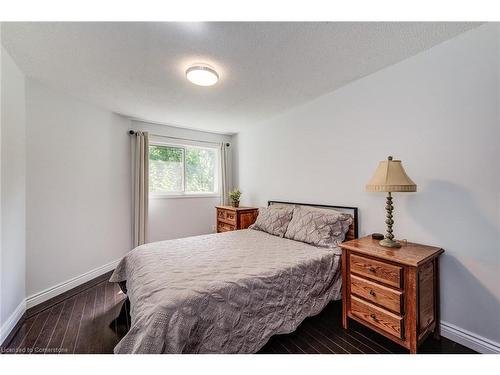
x,y
223,293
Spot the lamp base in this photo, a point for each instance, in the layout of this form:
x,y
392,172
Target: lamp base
x,y
386,242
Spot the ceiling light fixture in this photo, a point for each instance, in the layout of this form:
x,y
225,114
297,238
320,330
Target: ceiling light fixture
x,y
202,75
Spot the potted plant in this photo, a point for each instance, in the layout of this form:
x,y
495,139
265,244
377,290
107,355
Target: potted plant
x,y
235,197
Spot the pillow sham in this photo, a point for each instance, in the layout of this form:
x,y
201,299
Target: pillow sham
x,y
273,220
318,227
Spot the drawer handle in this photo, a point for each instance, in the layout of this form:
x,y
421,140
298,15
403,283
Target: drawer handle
x,y
373,316
372,269
372,293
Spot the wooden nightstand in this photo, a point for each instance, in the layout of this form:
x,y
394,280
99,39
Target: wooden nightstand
x,y
234,218
392,291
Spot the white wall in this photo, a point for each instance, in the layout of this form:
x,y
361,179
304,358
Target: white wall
x,y
78,187
438,112
182,217
13,194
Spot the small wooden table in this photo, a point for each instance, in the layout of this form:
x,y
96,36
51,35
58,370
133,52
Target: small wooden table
x,y
234,218
393,291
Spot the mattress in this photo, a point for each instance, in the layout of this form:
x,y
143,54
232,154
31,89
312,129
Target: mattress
x,y
223,293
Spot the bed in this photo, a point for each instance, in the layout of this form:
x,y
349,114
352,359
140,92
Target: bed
x,y
225,293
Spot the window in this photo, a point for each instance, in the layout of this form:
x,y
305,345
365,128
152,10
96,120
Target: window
x,y
177,170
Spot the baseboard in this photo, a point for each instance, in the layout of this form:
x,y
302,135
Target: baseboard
x,y
49,293
469,339
11,322
54,291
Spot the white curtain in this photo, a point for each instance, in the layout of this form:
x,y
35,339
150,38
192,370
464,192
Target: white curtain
x,y
141,187
224,184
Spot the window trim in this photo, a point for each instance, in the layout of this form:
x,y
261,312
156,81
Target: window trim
x,y
184,194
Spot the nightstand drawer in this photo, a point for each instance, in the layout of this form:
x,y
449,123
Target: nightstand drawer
x,y
221,214
223,227
384,272
378,317
230,217
376,293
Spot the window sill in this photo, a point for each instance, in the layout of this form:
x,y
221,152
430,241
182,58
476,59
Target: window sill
x,y
181,196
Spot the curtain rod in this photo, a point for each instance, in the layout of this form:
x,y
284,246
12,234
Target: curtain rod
x,y
133,132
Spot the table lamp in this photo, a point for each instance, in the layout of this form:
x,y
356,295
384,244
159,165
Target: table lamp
x,y
389,177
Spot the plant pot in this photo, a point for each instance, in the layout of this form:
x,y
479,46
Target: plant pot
x,y
235,203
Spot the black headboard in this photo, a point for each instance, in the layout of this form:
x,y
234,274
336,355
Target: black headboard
x,y
353,211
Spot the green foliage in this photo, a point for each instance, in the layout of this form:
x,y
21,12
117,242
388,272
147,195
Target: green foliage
x,y
166,169
163,153
235,195
200,167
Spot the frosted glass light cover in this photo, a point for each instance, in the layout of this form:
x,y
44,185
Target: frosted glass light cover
x,y
202,75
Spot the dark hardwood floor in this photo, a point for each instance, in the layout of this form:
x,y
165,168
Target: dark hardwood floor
x,y
95,316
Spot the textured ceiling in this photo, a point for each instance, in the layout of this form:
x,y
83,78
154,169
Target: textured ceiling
x,y
137,69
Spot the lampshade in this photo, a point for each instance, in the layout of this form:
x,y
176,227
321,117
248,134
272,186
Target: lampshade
x,y
390,176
